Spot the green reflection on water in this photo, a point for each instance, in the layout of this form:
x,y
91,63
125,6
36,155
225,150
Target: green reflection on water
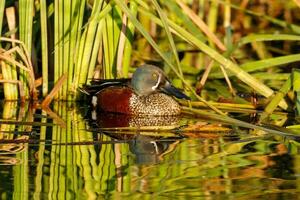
x,y
70,162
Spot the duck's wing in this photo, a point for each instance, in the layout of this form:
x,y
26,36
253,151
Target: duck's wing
x,y
96,85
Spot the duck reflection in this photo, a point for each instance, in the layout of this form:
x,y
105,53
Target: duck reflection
x,y
146,149
112,120
149,151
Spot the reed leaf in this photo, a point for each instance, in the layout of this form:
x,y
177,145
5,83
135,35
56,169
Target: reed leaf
x,y
267,37
270,62
273,76
276,99
262,64
169,35
225,119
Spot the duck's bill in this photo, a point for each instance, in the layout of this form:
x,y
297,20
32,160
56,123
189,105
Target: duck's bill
x,y
171,90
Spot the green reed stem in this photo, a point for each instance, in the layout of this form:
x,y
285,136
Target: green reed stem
x,y
95,50
25,30
67,59
11,72
56,41
10,109
86,45
61,41
98,39
129,40
111,34
44,41
213,17
2,7
77,14
8,87
163,19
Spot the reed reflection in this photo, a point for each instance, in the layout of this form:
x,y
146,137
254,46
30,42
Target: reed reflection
x,y
84,160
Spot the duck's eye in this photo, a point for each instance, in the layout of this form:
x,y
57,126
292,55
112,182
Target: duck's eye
x,y
154,76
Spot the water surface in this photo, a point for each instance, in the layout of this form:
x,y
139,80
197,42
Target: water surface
x,y
62,154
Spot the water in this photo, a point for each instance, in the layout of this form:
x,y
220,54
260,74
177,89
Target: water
x,y
62,155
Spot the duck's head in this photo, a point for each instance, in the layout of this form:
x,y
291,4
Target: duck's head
x,y
148,79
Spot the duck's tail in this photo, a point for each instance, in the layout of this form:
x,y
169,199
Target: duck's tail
x,y
96,85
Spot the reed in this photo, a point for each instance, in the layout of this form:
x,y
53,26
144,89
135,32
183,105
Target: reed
x,y
129,40
104,39
276,99
2,8
25,34
9,71
44,44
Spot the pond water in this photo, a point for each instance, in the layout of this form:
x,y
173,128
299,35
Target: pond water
x,y
62,154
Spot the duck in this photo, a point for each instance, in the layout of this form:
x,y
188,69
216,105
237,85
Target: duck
x,y
148,92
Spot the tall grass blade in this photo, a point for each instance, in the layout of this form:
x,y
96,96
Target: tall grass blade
x,y
86,46
169,35
44,41
2,7
276,99
129,41
263,64
267,37
296,88
111,34
11,90
25,29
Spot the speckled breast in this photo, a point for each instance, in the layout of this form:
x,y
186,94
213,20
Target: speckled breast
x,y
124,100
